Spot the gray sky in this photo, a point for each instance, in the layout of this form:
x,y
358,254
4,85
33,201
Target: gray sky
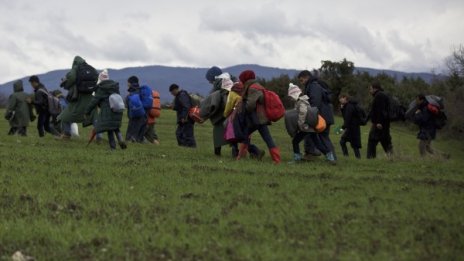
x,y
413,36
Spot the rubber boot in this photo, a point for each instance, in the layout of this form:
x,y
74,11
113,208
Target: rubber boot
x,y
275,155
242,152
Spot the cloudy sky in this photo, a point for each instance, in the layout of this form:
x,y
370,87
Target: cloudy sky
x,y
407,35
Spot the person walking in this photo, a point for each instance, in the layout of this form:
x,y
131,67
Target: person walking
x,y
253,98
380,129
351,125
320,98
185,125
136,113
107,119
41,107
18,111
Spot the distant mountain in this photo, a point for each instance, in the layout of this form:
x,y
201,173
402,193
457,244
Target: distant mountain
x,y
190,79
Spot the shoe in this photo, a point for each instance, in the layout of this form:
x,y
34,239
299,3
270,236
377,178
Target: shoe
x,y
331,158
296,158
309,157
258,156
123,145
156,142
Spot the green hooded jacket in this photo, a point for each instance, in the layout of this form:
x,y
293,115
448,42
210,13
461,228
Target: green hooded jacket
x,y
17,102
75,110
106,119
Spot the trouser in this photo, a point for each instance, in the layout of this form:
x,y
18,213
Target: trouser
x,y
325,140
43,124
185,135
425,146
111,140
265,135
376,136
310,147
150,133
136,129
308,136
343,140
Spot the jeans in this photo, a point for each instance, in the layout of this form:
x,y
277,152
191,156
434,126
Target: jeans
x,y
43,124
265,135
308,135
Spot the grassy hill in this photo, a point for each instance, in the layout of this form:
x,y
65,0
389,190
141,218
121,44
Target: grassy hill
x,y
61,200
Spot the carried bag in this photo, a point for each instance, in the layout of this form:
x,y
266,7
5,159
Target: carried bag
x,y
146,96
116,103
321,124
273,106
86,78
155,110
53,103
194,114
135,106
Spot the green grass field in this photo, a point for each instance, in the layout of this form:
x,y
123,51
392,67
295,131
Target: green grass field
x,y
61,200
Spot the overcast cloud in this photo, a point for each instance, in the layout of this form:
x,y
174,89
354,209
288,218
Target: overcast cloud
x,y
413,36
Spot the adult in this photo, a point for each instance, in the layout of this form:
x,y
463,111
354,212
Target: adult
x,y
41,107
320,98
182,104
152,115
351,125
18,111
77,100
135,112
380,129
425,119
107,119
214,105
253,98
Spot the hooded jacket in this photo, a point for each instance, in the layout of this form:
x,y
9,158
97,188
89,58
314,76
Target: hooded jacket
x,y
319,97
76,108
17,103
106,119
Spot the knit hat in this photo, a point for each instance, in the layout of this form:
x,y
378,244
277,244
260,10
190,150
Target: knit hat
x,y
134,81
226,83
212,73
237,87
103,76
294,91
247,75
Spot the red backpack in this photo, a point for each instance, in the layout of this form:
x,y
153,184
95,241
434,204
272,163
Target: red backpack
x,y
273,106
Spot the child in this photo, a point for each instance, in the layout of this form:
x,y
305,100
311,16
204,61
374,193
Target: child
x,y
303,128
351,126
107,119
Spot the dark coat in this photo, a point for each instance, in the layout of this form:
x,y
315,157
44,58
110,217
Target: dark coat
x,y
75,110
182,104
425,120
351,124
41,99
379,110
319,97
17,103
213,106
106,119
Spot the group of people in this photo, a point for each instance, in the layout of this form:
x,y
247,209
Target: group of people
x,y
100,106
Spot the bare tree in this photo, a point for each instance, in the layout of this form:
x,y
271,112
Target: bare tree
x,y
455,62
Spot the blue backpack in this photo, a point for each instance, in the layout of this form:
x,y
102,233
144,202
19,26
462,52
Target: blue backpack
x,y
135,106
146,97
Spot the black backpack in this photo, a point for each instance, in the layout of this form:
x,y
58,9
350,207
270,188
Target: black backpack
x,y
395,111
361,114
86,78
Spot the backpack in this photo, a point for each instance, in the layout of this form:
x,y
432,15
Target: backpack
x,y
54,105
146,96
273,106
116,103
195,99
135,106
155,110
436,106
440,120
86,78
395,111
361,114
